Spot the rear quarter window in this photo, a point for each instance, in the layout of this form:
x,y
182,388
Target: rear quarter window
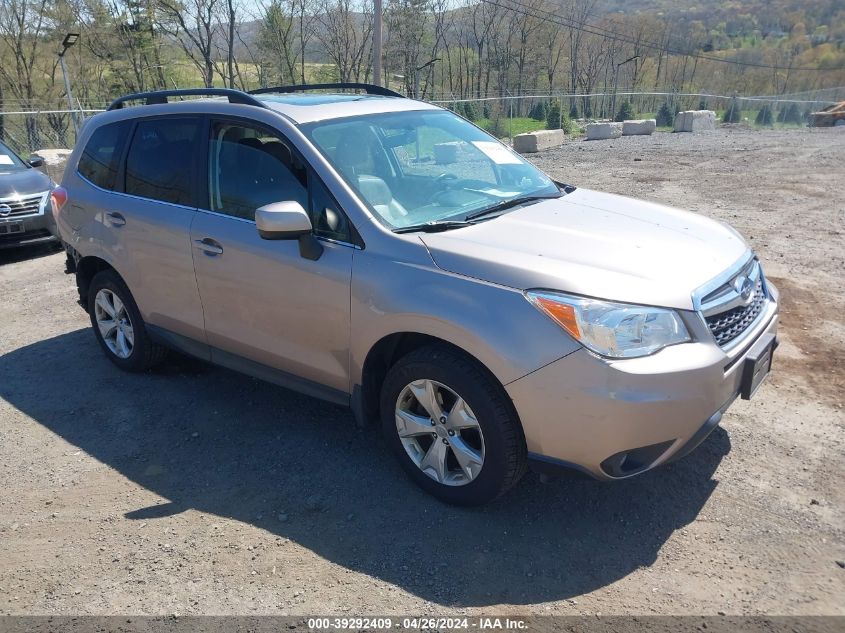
x,y
101,157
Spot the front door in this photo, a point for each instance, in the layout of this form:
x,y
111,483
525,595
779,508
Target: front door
x,y
267,307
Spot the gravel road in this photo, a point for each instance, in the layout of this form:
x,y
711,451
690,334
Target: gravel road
x,y
196,490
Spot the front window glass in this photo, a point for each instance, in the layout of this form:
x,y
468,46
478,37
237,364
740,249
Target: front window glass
x,y
425,166
9,161
249,168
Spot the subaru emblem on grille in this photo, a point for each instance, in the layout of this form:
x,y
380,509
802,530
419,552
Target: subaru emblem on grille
x,y
5,210
745,287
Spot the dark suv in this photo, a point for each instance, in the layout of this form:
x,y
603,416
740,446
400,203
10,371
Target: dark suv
x,y
26,216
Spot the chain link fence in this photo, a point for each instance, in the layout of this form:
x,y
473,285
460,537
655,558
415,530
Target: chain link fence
x,y
507,115
27,131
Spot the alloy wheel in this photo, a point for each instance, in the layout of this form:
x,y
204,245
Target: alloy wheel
x,y
439,432
114,323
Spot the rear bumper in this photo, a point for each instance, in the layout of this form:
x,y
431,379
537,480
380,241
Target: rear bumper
x,y
616,419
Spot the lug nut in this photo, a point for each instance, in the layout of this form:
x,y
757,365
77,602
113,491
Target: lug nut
x,y
445,441
443,420
433,422
451,432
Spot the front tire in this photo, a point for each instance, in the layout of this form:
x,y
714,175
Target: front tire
x,y
118,325
452,427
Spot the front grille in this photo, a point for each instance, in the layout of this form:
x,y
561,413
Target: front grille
x,y
27,205
729,325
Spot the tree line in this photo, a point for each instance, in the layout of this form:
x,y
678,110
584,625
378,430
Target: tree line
x,y
443,49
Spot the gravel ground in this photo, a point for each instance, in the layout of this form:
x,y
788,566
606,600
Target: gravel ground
x,y
196,490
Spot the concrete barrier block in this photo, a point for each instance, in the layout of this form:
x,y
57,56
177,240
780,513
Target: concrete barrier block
x,y
531,142
639,127
695,121
600,131
54,162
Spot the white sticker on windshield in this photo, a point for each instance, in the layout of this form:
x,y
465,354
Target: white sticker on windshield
x,y
6,160
497,152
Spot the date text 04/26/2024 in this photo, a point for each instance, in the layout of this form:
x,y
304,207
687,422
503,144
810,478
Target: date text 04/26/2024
x,y
421,623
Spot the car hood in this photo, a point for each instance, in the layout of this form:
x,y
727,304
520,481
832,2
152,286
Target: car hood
x,y
25,182
594,244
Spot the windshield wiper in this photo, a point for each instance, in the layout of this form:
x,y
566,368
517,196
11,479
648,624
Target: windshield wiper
x,y
507,204
433,227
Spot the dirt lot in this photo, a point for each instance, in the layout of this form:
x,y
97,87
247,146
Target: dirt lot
x,y
196,490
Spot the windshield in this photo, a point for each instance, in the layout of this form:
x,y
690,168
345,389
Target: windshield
x,y
9,161
426,166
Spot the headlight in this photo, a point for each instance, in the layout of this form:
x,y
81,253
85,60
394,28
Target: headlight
x,y
616,330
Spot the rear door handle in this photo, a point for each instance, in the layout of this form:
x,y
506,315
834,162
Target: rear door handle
x,y
209,246
115,218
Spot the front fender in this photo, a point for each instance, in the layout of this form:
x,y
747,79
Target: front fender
x,y
495,324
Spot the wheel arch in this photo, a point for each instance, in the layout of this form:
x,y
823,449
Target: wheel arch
x,y
86,269
385,352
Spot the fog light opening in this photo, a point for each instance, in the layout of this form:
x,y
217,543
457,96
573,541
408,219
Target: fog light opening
x,y
634,460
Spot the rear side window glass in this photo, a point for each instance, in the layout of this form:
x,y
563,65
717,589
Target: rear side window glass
x,y
101,156
159,165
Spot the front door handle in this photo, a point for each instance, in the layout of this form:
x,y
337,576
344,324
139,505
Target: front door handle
x,y
115,218
208,246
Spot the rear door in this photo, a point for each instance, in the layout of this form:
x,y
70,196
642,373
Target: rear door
x,y
147,225
267,307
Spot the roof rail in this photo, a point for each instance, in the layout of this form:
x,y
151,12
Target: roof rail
x,y
160,96
370,89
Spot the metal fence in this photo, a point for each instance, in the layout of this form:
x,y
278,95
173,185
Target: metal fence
x,y
27,131
32,130
505,114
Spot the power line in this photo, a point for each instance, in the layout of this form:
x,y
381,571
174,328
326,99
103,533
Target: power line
x,y
592,29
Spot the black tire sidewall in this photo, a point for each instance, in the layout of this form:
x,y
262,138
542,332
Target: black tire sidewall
x,y
479,393
111,281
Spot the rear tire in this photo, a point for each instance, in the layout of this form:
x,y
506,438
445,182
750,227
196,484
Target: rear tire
x,y
118,325
452,415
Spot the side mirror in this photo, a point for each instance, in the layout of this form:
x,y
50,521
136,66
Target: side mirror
x,y
288,221
36,161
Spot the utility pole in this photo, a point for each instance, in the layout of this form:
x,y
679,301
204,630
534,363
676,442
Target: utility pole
x,y
417,72
70,40
377,43
616,84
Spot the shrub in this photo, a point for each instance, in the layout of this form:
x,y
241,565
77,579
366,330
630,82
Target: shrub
x,y
496,125
553,116
765,116
666,115
538,111
573,110
702,105
734,112
626,111
791,114
470,113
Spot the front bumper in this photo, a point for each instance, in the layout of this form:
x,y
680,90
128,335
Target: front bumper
x,y
588,413
28,230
